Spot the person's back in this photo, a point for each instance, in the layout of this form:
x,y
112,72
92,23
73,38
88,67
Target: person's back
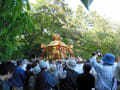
x,y
55,74
6,70
28,74
44,80
104,77
32,78
85,80
69,82
18,76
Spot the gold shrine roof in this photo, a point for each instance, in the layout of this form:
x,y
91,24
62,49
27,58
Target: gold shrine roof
x,y
54,43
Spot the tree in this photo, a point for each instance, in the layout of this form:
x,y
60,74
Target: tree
x,y
12,15
87,32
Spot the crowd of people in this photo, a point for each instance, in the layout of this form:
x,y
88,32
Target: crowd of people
x,y
23,74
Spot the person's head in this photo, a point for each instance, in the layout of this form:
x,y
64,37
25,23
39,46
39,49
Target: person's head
x,y
86,67
20,62
87,61
43,65
67,58
108,59
71,64
6,70
53,68
37,61
34,64
117,59
59,62
29,66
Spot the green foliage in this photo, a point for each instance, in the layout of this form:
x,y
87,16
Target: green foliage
x,y
87,32
22,31
13,17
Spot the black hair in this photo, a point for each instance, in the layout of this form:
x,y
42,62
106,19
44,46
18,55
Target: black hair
x,y
42,69
29,66
37,61
87,67
6,67
94,53
65,66
87,61
34,64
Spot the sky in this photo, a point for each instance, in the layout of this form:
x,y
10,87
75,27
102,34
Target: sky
x,y
109,9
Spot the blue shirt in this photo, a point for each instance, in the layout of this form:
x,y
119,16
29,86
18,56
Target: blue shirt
x,y
18,77
45,81
104,77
